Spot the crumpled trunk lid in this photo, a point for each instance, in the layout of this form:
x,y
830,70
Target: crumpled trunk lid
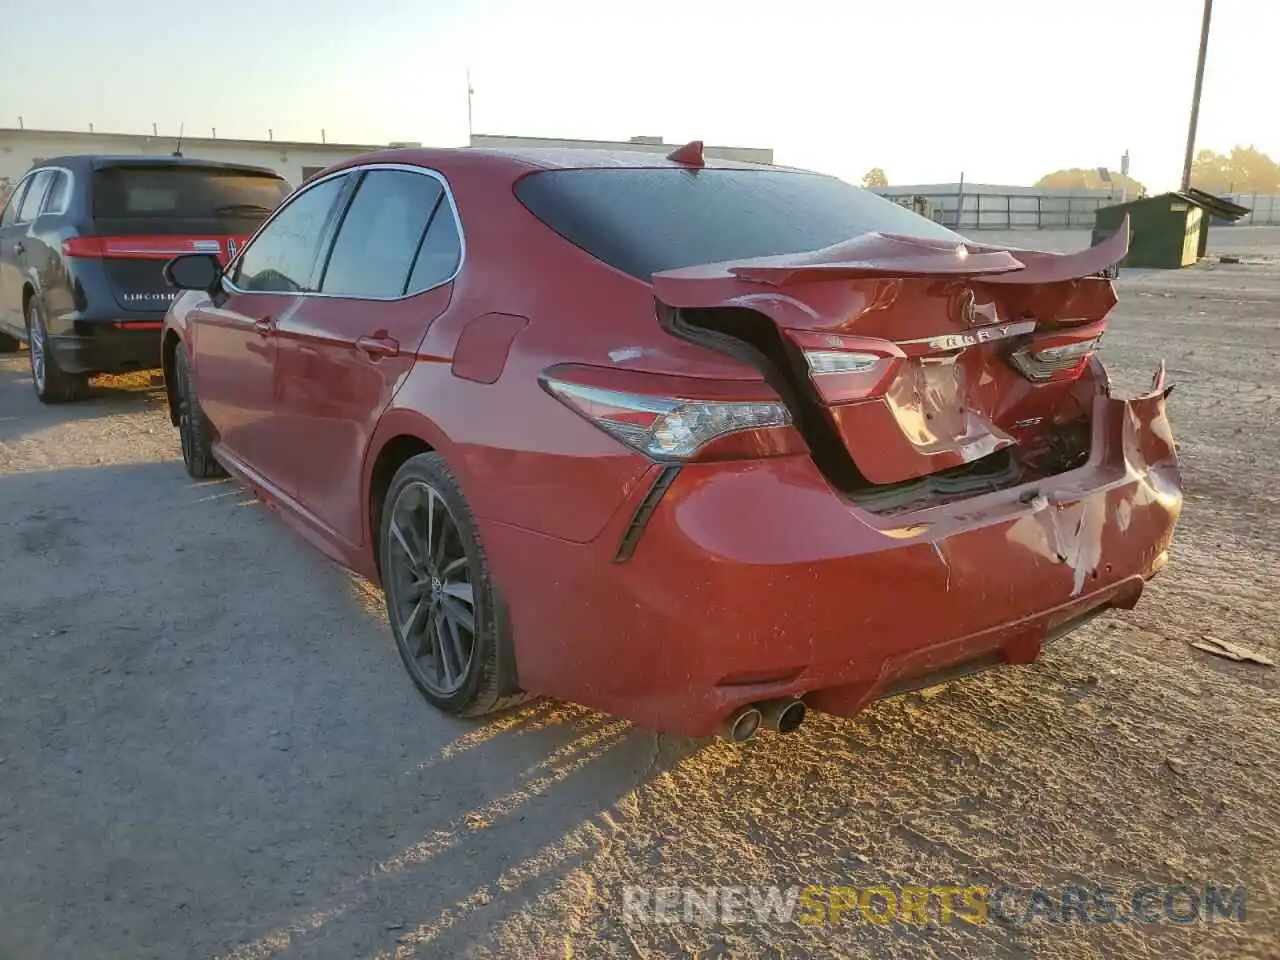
x,y
906,357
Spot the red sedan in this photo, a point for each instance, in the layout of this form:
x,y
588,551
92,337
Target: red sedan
x,y
696,443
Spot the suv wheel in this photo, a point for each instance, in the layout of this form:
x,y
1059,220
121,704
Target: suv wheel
x,y
51,382
193,426
443,606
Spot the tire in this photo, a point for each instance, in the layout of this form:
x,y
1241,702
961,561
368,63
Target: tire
x,y
9,344
456,566
193,426
52,384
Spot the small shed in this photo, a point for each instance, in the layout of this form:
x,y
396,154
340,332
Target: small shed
x,y
1169,230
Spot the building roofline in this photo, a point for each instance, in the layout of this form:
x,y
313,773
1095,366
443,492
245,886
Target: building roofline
x,y
637,146
187,139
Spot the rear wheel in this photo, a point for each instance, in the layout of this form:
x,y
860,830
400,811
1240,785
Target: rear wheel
x,y
442,604
9,344
193,426
52,384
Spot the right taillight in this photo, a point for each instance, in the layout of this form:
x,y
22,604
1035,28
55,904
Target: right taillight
x,y
681,428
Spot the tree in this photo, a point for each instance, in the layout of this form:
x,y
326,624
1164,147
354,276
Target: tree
x,y
1243,170
875,178
1077,178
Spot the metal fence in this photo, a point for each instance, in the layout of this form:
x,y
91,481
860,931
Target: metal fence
x,y
1265,208
1010,211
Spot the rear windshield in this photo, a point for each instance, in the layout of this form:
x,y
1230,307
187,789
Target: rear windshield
x,y
185,192
648,220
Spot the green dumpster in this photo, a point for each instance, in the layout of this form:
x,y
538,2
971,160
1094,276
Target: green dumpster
x,y
1170,230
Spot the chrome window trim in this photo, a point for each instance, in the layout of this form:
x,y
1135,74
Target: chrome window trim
x,y
230,287
71,186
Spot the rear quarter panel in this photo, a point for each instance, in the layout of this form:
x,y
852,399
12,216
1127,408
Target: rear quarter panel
x,y
524,458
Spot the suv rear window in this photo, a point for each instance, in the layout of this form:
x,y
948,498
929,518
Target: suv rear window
x,y
185,192
648,220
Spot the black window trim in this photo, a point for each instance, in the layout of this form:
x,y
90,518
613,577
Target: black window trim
x,y
360,170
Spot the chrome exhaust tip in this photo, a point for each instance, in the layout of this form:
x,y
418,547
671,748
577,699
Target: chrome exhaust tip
x,y
783,716
741,725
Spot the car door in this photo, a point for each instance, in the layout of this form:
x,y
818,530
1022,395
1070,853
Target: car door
x,y
232,337
11,249
345,353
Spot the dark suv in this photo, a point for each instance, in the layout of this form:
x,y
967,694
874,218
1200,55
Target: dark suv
x,y
83,241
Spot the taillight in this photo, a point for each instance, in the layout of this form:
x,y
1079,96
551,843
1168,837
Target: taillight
x,y
682,428
162,247
1061,357
844,368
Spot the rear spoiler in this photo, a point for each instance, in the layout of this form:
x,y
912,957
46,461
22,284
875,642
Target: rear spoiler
x,y
881,255
142,162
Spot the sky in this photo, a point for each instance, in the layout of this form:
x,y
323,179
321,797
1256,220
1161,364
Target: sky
x,y
1001,90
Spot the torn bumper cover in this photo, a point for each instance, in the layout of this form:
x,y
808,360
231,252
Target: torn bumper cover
x,y
800,592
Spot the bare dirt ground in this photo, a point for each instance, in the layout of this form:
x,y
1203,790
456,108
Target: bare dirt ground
x,y
208,747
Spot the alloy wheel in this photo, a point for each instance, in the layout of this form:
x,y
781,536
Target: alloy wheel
x,y
36,346
429,588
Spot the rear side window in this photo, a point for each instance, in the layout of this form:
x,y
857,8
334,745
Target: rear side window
x,y
441,251
381,233
282,257
35,195
185,192
648,220
59,195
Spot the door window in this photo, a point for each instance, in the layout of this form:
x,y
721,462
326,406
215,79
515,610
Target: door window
x,y
380,234
282,258
30,208
10,215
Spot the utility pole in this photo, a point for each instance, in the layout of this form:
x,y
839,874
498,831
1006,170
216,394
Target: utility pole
x,y
1195,97
470,91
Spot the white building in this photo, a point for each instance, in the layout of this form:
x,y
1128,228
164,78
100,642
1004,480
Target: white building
x,y
293,160
21,149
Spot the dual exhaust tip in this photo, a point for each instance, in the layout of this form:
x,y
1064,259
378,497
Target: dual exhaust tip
x,y
781,716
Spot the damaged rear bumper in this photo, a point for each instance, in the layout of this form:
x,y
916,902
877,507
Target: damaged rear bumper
x,y
756,580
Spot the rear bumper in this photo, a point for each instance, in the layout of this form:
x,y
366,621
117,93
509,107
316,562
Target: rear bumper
x,y
755,580
102,348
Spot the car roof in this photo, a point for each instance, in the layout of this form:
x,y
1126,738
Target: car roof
x,y
102,161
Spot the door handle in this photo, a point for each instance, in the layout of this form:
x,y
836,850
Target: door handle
x,y
265,327
377,347
18,247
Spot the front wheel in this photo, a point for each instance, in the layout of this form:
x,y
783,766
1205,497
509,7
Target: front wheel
x,y
441,600
52,384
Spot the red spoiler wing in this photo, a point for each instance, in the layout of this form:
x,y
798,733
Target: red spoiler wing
x,y
891,255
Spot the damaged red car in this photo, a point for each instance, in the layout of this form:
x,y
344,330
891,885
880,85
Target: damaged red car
x,y
702,444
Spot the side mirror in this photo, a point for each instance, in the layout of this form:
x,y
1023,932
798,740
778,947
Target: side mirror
x,y
194,271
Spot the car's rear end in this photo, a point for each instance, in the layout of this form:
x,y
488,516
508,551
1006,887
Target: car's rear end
x,y
136,214
930,474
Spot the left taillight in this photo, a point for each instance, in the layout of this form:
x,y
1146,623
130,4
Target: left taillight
x,y
1061,357
681,428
